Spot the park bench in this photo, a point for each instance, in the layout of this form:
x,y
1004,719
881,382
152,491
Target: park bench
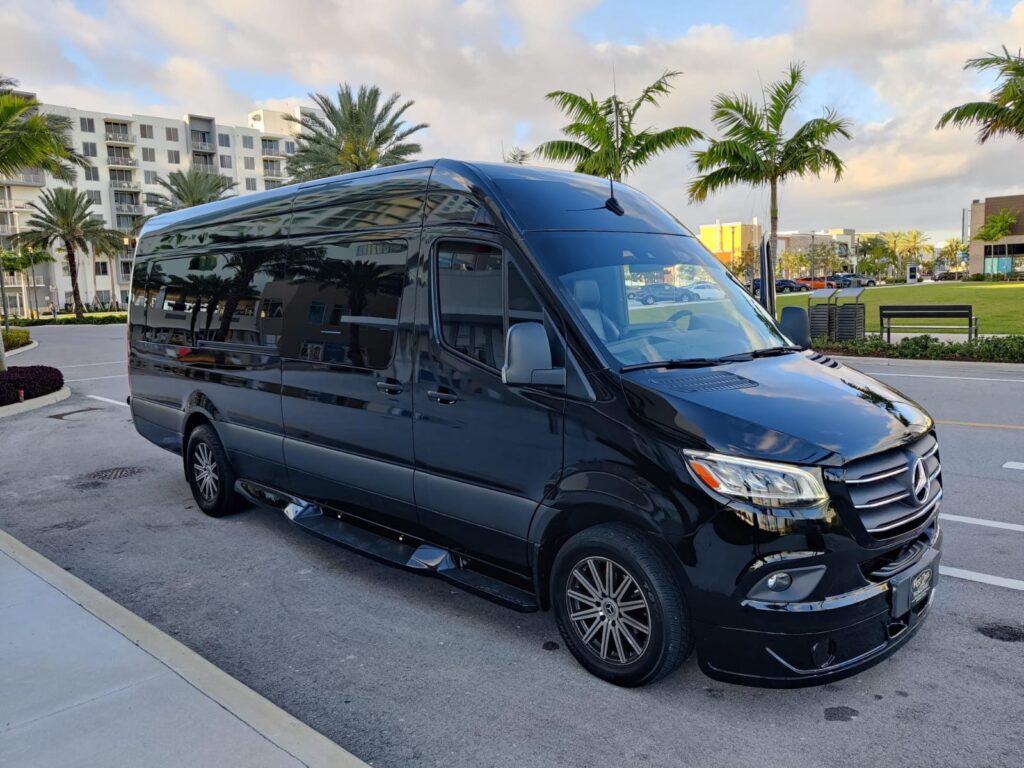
x,y
886,314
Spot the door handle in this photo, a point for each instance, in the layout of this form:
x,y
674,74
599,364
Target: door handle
x,y
389,387
444,398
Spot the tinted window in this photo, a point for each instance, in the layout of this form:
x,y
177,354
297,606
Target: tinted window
x,y
342,300
469,289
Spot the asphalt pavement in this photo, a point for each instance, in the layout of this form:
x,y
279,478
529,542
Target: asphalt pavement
x,y
407,671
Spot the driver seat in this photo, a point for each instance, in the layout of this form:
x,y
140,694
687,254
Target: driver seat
x,y
588,297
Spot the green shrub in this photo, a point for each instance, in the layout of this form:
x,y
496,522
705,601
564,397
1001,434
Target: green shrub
x,y
16,337
997,349
977,277
121,317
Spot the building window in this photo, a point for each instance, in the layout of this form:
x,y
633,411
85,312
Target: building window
x,y
149,154
173,157
103,297
247,142
225,161
92,173
150,177
124,294
152,198
89,148
250,184
94,196
65,270
69,298
172,134
88,124
250,163
223,140
102,268
146,131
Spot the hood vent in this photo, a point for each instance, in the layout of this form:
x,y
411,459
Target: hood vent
x,y
825,360
714,381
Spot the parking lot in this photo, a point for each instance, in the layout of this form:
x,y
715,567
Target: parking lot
x,y
407,671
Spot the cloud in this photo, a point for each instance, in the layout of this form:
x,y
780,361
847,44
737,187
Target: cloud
x,y
479,69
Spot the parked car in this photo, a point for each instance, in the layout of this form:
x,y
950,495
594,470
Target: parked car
x,y
785,285
839,281
949,275
706,290
655,292
814,283
863,280
471,397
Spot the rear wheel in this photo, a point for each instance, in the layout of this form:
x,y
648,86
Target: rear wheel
x,y
618,606
648,300
209,473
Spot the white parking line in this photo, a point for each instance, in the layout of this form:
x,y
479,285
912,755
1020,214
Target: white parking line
x,y
96,378
984,578
933,376
87,365
1014,465
108,400
983,522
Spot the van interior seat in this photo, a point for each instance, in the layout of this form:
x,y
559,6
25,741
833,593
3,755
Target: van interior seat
x,y
588,296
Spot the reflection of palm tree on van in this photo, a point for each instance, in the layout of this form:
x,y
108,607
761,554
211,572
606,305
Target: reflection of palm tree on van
x,y
246,265
360,279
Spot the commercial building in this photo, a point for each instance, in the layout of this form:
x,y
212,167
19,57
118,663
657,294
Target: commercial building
x,y
731,240
128,154
1006,254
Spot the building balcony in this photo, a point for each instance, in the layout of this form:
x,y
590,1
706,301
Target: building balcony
x,y
129,186
117,161
205,167
7,229
117,137
203,146
22,280
13,205
25,178
131,208
272,151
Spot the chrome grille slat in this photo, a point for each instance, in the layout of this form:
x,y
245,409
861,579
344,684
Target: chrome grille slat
x,y
880,476
882,502
923,511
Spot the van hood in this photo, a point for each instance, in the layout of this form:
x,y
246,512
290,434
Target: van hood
x,y
802,408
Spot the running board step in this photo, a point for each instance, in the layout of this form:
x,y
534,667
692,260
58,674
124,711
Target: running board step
x,y
426,558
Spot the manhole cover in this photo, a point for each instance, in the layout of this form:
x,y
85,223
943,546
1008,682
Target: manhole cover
x,y
1008,633
114,473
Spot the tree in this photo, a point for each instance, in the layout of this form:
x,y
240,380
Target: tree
x,y
914,245
1003,113
875,258
186,189
997,226
25,260
602,138
755,151
357,133
822,258
794,263
63,215
951,251
30,139
516,156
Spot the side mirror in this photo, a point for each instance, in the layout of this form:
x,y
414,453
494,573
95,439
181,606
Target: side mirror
x,y
528,358
797,326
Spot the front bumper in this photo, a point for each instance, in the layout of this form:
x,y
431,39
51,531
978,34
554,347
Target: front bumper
x,y
819,642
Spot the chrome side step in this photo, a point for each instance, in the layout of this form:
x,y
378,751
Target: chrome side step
x,y
425,558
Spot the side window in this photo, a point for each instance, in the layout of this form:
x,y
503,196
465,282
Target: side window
x,y
469,300
523,306
342,303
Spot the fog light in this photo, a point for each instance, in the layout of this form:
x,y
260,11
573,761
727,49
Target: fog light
x,y
779,582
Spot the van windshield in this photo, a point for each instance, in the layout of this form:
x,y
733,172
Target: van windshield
x,y
650,298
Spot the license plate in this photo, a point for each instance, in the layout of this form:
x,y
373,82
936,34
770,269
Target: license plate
x,y
913,585
921,585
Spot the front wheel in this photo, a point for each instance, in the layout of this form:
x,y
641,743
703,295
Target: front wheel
x,y
648,300
209,473
618,606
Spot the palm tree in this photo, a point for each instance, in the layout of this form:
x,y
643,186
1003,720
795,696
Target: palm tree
x,y
63,215
601,138
30,139
516,156
188,188
951,251
755,151
26,261
1003,113
357,133
915,244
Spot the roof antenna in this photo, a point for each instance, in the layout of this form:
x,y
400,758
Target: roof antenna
x,y
611,203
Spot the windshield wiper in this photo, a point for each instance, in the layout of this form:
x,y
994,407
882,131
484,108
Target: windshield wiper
x,y
774,351
688,362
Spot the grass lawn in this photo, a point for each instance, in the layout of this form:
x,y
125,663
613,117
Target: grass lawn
x,y
1000,306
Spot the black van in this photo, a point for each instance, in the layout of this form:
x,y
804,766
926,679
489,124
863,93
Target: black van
x,y
439,365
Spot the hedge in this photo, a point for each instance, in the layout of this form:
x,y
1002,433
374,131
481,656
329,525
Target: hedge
x,y
16,337
994,349
34,380
87,320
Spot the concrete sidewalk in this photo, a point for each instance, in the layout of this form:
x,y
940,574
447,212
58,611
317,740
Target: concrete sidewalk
x,y
85,682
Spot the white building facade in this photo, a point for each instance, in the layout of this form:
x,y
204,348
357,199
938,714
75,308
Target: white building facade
x,y
128,154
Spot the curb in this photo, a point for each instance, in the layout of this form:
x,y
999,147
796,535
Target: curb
x,y
36,402
27,348
893,361
281,729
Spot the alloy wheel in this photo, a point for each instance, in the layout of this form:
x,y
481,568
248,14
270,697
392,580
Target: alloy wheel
x,y
608,610
204,468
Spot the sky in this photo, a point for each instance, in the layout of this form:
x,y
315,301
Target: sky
x,y
478,71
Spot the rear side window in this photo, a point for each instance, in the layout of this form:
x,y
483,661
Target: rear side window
x,y
480,292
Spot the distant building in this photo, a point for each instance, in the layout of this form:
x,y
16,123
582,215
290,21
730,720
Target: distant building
x,y
728,241
1006,254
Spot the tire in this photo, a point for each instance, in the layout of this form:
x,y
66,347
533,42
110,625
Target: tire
x,y
647,300
625,551
214,488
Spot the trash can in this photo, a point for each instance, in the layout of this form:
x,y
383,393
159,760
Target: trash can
x,y
822,315
850,317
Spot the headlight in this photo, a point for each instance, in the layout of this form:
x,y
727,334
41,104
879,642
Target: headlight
x,y
761,483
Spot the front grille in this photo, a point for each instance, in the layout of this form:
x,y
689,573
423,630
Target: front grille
x,y
889,494
884,567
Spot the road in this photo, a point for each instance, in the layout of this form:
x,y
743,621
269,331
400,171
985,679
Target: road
x,y
407,671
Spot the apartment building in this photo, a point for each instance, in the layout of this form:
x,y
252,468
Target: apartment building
x,y
730,240
1006,254
128,154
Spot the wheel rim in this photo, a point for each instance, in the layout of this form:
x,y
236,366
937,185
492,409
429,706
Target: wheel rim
x,y
204,469
608,610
